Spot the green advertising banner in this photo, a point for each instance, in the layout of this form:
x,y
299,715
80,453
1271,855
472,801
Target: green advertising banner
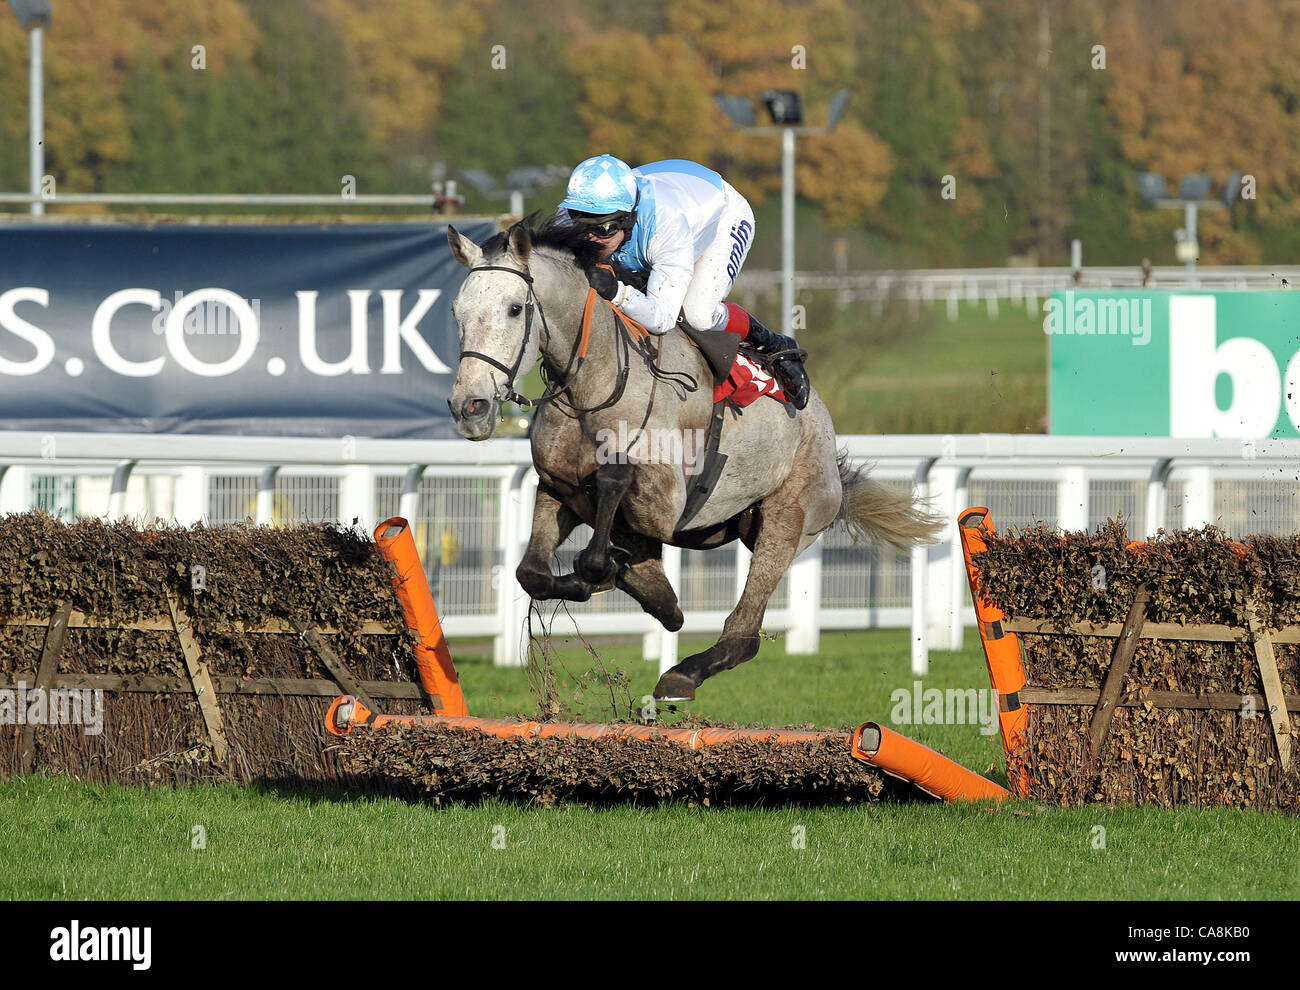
x,y
1174,364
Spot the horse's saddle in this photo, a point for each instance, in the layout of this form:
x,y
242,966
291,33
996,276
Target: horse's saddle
x,y
719,349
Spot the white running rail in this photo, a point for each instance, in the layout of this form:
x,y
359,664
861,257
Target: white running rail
x,y
471,506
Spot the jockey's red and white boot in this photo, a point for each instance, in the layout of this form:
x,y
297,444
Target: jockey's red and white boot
x,y
786,356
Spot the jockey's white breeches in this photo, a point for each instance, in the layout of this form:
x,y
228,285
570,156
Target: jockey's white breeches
x,y
717,268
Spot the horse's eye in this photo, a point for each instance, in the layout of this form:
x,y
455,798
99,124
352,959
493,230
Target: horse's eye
x,y
516,309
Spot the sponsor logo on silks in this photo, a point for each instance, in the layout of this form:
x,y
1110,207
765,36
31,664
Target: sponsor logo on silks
x,y
740,235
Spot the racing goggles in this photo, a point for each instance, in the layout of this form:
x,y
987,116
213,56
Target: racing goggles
x,y
602,228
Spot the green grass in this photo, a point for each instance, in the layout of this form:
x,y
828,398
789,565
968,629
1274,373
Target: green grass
x,y
66,839
976,374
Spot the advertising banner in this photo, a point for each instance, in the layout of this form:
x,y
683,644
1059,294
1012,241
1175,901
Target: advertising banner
x,y
287,330
1174,364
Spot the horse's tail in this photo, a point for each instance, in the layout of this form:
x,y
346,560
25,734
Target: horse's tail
x,y
871,512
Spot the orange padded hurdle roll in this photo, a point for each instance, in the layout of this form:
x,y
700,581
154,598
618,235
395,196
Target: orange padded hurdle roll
x,y
432,657
871,743
1001,651
347,711
932,772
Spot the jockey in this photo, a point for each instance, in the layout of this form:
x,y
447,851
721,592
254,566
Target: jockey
x,y
691,231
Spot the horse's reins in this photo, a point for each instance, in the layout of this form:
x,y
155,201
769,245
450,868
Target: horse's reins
x,y
631,330
682,381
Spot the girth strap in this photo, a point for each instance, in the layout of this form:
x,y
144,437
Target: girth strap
x,y
702,485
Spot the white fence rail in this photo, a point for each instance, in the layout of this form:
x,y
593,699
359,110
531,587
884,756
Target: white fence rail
x,y
471,507
989,286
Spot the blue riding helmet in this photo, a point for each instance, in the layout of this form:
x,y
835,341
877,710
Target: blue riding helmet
x,y
601,186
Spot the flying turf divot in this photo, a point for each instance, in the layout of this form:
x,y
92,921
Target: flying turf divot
x,y
804,760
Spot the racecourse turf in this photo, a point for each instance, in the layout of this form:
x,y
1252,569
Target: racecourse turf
x,y
925,373
64,839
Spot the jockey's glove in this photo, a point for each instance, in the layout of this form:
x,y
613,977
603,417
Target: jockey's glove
x,y
604,282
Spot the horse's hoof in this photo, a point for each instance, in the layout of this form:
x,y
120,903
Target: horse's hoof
x,y
570,589
675,687
662,607
588,570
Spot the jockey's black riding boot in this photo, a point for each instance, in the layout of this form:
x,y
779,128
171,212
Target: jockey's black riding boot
x,y
787,361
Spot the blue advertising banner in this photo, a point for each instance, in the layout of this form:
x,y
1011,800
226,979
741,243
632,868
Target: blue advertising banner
x,y
302,330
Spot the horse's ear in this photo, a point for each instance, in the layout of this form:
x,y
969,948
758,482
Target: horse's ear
x,y
463,249
521,242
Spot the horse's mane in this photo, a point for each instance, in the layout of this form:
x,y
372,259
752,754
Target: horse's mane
x,y
558,232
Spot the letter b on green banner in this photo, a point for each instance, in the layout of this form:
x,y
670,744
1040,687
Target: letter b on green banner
x,y
1176,364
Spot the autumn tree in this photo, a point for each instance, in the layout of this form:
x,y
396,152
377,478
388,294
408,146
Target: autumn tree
x,y
403,53
1040,111
643,99
749,47
513,101
92,52
1213,93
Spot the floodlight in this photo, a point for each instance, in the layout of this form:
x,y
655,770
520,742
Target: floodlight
x,y
739,110
1194,187
785,107
1152,187
32,13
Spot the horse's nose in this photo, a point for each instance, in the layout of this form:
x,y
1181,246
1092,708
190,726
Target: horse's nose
x,y
472,408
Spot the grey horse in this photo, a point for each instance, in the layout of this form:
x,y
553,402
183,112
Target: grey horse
x,y
782,485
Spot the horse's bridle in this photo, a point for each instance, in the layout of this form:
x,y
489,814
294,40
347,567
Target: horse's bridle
x,y
559,384
504,392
